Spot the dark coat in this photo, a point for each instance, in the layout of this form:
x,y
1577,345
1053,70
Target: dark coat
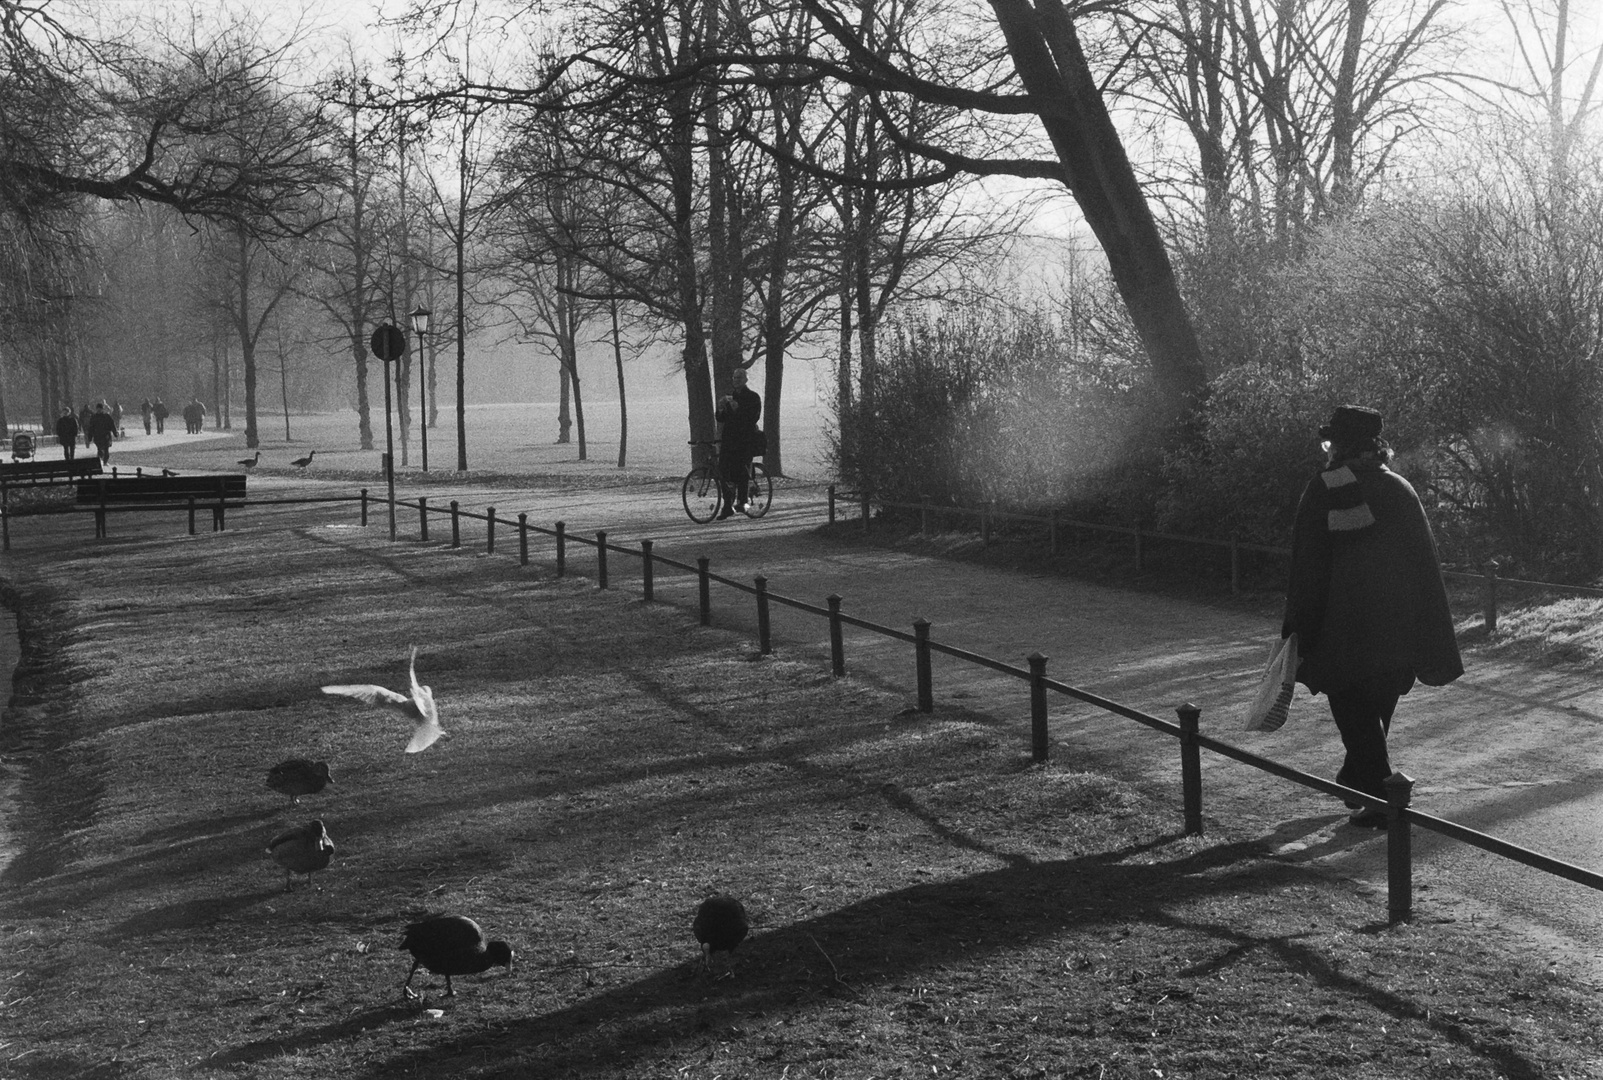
x,y
67,428
741,437
100,429
1366,599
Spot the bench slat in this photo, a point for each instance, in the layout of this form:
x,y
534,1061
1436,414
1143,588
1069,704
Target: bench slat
x,y
123,489
35,471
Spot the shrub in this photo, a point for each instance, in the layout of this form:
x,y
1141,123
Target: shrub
x,y
989,404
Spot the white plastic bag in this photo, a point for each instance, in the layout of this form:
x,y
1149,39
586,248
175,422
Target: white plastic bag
x,y
1272,701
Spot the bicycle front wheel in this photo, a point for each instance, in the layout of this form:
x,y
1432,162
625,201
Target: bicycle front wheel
x,y
759,493
701,495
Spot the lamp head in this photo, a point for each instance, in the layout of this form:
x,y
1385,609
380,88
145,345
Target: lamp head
x,y
419,318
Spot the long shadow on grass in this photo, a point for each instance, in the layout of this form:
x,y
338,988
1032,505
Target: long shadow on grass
x,y
893,937
353,1025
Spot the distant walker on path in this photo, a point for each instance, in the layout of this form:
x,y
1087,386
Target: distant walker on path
x,y
101,431
67,432
1366,598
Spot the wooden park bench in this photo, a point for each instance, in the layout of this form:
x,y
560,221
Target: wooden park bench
x,y
37,473
216,493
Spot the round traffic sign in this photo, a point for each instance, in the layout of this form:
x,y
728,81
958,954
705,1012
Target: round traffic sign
x,y
388,343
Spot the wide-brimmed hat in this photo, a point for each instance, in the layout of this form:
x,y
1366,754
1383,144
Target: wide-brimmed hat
x,y
1352,424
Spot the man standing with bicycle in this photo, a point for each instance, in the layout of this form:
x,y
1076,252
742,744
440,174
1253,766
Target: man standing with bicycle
x,y
738,412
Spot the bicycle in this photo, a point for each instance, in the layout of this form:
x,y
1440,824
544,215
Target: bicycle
x,y
702,490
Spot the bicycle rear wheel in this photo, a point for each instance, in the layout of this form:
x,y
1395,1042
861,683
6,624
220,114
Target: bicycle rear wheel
x,y
759,493
701,495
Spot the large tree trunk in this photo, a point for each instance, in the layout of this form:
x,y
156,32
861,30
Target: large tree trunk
x,y
247,343
623,400
364,412
698,378
564,411
1343,120
1047,55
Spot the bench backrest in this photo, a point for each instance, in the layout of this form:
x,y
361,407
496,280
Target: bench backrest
x,y
160,488
25,471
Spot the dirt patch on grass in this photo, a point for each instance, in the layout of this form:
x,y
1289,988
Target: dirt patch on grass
x,y
925,902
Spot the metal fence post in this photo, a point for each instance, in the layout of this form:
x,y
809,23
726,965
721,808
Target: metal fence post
x,y
1038,743
832,504
1489,568
562,548
489,531
1191,767
705,589
601,559
648,580
192,517
765,643
1399,847
423,518
523,539
456,524
364,507
921,665
837,642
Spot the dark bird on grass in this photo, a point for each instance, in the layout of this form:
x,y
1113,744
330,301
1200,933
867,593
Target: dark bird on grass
x,y
297,776
418,706
304,849
302,462
720,925
451,945
168,472
250,462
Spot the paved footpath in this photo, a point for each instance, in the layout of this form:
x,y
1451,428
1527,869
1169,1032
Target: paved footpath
x,y
1510,749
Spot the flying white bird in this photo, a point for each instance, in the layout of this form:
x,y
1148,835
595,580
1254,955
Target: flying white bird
x,y
419,707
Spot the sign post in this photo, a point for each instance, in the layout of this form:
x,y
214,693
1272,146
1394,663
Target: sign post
x,y
388,344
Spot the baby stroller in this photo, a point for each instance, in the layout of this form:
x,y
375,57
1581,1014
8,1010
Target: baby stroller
x,y
22,445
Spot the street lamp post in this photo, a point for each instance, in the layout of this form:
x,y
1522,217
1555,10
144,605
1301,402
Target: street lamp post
x,y
419,317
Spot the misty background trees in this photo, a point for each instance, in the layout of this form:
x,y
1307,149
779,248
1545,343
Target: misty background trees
x,y
1115,258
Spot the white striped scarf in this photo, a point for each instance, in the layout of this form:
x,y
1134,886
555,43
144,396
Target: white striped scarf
x,y
1348,511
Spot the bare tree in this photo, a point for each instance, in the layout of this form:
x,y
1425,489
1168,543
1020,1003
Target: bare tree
x,y
348,245
1293,109
186,128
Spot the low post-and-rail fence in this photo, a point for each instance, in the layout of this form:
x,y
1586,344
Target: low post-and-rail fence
x,y
1056,524
1401,816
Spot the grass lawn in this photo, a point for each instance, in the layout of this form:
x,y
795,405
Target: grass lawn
x,y
925,902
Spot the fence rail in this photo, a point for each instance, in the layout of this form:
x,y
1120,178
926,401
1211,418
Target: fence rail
x,y
1399,787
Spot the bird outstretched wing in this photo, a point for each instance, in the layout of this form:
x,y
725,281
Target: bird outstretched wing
x,y
381,696
419,706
